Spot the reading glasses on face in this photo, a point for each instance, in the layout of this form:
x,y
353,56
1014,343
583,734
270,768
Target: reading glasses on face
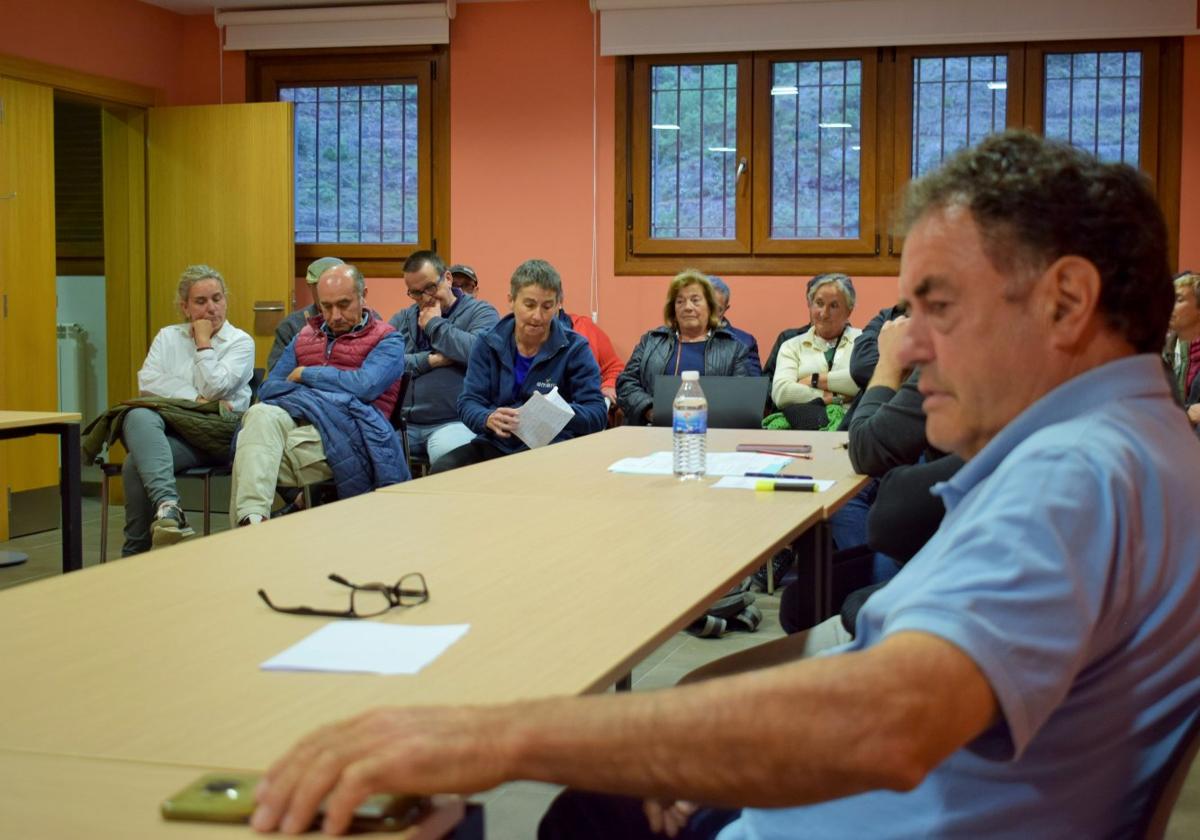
x,y
367,599
427,291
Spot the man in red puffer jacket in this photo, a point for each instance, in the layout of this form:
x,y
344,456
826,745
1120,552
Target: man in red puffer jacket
x,y
325,406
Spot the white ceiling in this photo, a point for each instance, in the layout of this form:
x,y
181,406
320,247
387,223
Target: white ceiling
x,y
197,7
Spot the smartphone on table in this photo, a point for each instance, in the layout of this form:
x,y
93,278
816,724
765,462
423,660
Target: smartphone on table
x,y
229,797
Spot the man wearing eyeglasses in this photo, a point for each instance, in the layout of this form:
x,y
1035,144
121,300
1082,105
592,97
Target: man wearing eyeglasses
x,y
439,331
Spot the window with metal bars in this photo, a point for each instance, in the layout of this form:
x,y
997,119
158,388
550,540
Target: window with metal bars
x,y
792,163
370,151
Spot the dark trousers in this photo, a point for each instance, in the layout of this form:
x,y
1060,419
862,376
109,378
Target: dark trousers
x,y
580,815
475,452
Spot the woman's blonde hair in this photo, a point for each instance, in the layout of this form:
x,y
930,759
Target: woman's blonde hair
x,y
685,278
192,275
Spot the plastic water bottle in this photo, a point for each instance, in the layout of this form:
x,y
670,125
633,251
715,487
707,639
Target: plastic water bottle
x,y
690,421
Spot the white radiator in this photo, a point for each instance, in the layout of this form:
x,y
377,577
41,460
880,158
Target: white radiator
x,y
72,368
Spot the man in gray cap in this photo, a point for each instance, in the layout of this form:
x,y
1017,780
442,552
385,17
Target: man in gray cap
x,y
295,322
464,277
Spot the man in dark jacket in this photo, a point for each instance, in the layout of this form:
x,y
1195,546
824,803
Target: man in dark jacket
x,y
439,330
753,364
325,406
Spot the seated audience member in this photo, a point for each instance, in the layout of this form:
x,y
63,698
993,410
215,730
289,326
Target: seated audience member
x,y
691,338
1036,663
464,278
601,345
292,324
529,351
324,410
439,330
813,369
753,365
1182,353
207,359
865,354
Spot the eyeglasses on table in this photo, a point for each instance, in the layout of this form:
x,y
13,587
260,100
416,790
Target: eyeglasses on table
x,y
366,599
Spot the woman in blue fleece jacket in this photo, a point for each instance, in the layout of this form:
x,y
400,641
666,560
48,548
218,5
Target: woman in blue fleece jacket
x,y
528,351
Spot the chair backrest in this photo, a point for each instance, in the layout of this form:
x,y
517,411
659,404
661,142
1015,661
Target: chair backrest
x,y
256,381
397,418
1170,782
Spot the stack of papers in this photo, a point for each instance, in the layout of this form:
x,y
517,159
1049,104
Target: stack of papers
x,y
716,463
542,418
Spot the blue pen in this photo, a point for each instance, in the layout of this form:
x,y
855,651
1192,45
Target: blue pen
x,y
776,475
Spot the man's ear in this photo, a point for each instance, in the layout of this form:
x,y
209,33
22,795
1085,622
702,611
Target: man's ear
x,y
1072,290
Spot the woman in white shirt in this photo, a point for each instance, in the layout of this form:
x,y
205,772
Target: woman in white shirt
x,y
206,358
813,369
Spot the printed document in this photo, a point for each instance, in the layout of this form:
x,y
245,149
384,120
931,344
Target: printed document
x,y
542,418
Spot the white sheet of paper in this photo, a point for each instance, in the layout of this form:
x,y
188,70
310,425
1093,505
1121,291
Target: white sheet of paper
x,y
716,463
740,482
368,647
542,417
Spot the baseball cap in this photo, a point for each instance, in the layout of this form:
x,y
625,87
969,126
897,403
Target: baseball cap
x,y
465,270
319,267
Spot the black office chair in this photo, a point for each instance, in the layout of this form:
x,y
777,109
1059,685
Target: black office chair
x,y
109,470
316,493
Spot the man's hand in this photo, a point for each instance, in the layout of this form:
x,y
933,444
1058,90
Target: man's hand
x,y
504,421
202,332
294,376
437,360
413,751
428,312
668,818
610,394
1193,414
889,370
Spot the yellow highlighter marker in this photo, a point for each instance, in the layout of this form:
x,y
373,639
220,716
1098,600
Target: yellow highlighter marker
x,y
767,486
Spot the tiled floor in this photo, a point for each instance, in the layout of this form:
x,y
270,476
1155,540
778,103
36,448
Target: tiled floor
x,y
512,810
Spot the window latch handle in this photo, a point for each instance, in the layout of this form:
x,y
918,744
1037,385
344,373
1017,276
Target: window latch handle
x,y
741,169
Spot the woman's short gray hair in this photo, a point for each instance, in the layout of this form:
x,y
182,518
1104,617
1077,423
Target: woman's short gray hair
x,y
536,273
1189,280
192,275
841,282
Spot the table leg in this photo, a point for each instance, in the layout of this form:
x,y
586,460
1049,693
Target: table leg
x,y
71,492
816,544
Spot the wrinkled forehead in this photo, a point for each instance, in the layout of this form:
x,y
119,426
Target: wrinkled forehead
x,y
336,288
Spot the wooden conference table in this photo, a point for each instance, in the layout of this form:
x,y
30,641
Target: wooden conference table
x,y
154,659
15,424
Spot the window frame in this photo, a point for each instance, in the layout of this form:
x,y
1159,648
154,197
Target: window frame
x,y
642,240
1159,153
866,243
429,66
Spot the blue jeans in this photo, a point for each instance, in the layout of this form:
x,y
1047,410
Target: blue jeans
x,y
428,442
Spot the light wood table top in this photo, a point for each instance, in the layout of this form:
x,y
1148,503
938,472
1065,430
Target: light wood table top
x,y
31,419
155,657
579,469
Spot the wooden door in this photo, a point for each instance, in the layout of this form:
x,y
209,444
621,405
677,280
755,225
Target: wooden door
x,y
28,338
220,193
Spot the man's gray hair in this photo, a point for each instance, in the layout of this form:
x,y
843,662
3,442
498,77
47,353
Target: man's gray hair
x,y
720,287
536,273
1189,280
840,281
360,284
192,275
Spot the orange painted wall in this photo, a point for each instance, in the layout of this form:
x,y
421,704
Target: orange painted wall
x,y
126,40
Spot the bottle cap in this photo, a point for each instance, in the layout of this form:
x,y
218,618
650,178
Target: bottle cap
x,y
690,376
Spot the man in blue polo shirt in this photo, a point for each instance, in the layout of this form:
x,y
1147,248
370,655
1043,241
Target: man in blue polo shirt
x,y
1029,671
